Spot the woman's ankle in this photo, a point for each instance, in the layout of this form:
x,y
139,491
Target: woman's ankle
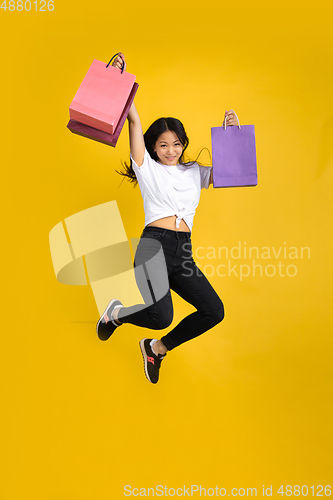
x,y
159,348
115,315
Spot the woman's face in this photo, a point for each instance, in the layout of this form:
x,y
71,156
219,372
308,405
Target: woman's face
x,y
168,148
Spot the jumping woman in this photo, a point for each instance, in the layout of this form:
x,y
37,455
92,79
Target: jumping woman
x,y
170,189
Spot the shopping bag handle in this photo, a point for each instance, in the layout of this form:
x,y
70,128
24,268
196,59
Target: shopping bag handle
x,y
224,121
124,64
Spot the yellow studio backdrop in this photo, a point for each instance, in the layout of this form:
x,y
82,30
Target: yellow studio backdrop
x,y
249,403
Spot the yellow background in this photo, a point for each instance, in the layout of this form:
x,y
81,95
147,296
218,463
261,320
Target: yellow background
x,y
247,404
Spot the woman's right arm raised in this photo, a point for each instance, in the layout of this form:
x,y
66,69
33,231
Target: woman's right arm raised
x,y
137,143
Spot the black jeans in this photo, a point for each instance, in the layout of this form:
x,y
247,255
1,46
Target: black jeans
x,y
163,261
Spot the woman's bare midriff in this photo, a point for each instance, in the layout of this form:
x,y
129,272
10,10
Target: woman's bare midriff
x,y
170,223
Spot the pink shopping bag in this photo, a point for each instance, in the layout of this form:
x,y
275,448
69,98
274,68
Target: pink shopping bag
x,y
102,97
234,156
98,135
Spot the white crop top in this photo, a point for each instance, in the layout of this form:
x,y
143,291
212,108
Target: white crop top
x,y
170,190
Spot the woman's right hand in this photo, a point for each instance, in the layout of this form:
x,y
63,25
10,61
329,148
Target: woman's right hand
x,y
119,61
137,144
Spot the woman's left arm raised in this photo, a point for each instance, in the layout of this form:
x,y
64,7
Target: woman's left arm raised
x,y
231,120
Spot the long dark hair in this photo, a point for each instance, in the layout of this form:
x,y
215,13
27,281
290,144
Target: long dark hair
x,y
150,137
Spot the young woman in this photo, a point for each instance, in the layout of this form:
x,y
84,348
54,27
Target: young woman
x,y
163,260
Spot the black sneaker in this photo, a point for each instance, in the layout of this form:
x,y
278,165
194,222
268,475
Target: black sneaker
x,y
152,362
106,326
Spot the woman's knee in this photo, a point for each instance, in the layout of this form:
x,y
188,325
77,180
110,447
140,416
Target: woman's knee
x,y
220,312
216,313
162,314
163,320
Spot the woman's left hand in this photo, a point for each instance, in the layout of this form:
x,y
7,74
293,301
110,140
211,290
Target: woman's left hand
x,y
231,118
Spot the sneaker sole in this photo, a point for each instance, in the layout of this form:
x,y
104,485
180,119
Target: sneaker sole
x,y
144,354
100,319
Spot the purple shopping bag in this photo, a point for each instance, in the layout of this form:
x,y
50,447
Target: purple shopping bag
x,y
234,156
99,135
